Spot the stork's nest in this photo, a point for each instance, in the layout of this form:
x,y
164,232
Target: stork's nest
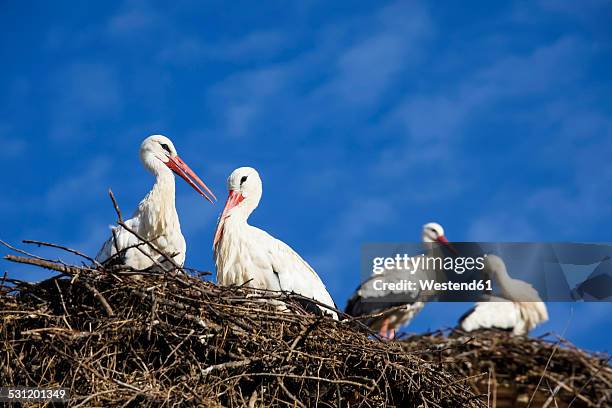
x,y
175,339
518,371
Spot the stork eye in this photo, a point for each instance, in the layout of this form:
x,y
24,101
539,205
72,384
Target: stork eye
x,y
243,179
165,147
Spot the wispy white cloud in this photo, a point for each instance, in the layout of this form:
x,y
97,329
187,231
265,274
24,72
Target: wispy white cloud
x,y
257,44
366,68
584,201
13,146
340,239
501,226
252,47
245,96
433,125
80,188
584,9
354,70
135,17
441,115
84,93
198,217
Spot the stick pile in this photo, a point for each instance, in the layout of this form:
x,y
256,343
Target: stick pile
x,y
519,371
164,339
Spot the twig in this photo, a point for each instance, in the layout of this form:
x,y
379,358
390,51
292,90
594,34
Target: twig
x,y
119,252
558,343
73,251
178,346
59,292
309,377
54,266
126,385
117,210
551,398
4,278
21,251
101,299
588,381
300,338
225,366
289,394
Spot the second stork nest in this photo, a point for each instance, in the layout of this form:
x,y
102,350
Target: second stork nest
x,y
516,371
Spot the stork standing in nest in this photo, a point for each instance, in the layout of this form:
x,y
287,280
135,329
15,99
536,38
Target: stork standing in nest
x,y
385,304
518,308
156,219
246,255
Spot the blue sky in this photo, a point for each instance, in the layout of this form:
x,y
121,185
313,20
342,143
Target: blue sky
x,y
365,120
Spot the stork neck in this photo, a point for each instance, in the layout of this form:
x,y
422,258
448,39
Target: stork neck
x,y
164,187
241,213
239,216
158,208
504,282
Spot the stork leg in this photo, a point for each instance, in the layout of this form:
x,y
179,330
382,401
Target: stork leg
x,y
384,329
391,334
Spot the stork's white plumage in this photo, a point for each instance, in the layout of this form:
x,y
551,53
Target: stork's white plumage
x,y
248,255
519,307
156,218
368,300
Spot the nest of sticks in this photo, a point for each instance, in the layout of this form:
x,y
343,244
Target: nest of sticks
x,y
516,371
115,337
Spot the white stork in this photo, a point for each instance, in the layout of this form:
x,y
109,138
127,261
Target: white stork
x,y
519,308
367,300
156,218
246,255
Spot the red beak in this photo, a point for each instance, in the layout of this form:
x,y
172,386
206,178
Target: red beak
x,y
233,199
442,239
177,165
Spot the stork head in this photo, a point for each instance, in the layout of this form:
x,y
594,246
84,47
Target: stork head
x,y
245,189
158,154
433,232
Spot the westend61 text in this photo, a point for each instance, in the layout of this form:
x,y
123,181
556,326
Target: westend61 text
x,y
410,286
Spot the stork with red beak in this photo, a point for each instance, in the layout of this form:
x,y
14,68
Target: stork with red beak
x,y
385,304
156,219
246,255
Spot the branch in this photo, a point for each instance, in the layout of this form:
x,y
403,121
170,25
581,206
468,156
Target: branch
x,y
225,366
289,394
21,251
72,251
66,269
101,299
117,210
